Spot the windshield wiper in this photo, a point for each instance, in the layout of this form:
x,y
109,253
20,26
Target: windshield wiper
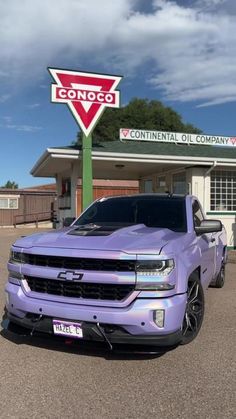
x,y
86,226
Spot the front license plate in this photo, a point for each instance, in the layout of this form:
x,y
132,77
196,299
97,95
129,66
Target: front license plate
x,y
64,328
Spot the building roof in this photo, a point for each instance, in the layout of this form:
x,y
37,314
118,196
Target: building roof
x,y
158,148
132,160
27,191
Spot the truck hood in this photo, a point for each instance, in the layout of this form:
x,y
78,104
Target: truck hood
x,y
135,239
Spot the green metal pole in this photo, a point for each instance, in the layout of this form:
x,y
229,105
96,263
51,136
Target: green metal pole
x,y
87,171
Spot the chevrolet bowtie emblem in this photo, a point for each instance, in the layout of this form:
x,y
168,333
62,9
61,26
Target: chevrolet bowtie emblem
x,y
70,276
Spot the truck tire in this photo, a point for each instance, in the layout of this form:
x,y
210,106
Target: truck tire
x,y
194,312
220,279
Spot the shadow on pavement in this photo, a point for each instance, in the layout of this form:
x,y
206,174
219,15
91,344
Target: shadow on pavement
x,y
21,336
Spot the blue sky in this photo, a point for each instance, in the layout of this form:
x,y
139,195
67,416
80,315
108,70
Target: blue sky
x,y
181,52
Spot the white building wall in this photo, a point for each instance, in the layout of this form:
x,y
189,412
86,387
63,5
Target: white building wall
x,y
198,180
198,185
74,180
73,176
229,222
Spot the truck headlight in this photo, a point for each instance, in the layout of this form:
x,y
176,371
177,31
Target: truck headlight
x,y
16,257
151,275
155,267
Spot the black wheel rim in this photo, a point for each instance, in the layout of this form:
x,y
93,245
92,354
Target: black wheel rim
x,y
194,310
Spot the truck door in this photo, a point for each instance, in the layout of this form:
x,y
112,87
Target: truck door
x,y
207,244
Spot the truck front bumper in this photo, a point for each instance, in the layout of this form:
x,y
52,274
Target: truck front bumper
x,y
114,334
131,324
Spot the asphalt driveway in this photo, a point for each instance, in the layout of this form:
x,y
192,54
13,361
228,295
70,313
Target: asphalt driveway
x,y
44,379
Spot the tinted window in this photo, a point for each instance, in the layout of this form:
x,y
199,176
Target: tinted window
x,y
158,212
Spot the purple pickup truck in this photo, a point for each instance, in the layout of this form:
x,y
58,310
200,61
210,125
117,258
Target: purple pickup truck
x,y
129,270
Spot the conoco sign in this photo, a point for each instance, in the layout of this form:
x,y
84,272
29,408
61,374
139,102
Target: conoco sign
x,y
86,94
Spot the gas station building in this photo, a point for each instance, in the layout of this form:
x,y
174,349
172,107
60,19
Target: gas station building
x,y
206,171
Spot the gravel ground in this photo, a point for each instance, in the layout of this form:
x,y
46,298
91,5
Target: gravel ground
x,y
44,379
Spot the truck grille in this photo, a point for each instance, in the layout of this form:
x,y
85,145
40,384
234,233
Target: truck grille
x,y
84,264
115,292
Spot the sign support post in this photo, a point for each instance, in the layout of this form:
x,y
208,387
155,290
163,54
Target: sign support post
x,y
87,171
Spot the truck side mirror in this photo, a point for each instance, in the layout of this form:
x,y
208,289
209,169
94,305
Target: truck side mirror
x,y
208,226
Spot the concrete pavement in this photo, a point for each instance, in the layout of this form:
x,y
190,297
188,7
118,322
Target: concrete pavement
x,y
41,379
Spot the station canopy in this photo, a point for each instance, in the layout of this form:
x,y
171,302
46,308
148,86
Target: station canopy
x,y
133,160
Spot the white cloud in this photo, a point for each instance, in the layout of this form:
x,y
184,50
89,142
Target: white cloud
x,y
4,98
25,128
3,73
7,119
33,106
190,50
9,123
19,127
209,3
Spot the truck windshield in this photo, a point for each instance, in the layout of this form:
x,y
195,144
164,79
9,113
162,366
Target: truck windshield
x,y
158,212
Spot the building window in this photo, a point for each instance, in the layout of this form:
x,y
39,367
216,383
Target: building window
x,y
8,202
161,184
223,190
179,183
64,200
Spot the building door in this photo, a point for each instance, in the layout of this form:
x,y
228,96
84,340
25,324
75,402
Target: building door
x,y
148,187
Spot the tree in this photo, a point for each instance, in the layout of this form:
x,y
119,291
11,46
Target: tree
x,y
10,185
139,114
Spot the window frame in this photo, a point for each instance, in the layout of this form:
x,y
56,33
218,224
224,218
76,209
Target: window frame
x,y
223,191
8,198
178,180
161,185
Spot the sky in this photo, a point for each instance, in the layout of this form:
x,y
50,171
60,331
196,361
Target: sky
x,y
181,52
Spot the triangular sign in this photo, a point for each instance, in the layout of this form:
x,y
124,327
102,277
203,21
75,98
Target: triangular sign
x,y
86,94
125,132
